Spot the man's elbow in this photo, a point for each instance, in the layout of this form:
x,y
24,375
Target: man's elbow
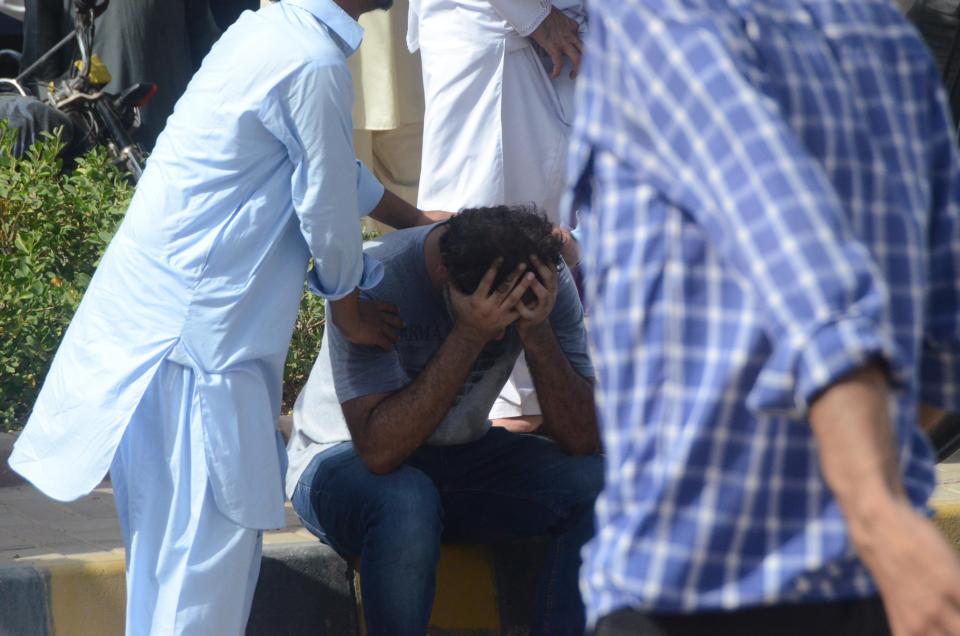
x,y
582,435
583,443
588,441
573,440
376,461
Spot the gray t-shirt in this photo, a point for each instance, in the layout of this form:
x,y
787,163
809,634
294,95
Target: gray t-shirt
x,y
345,371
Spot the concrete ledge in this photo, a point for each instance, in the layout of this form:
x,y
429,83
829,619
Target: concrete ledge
x,y
304,588
24,607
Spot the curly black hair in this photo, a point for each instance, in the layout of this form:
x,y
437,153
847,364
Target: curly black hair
x,y
477,236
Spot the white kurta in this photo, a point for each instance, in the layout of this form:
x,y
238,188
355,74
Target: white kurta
x,y
496,126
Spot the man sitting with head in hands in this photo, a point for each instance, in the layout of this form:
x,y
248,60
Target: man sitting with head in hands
x,y
411,459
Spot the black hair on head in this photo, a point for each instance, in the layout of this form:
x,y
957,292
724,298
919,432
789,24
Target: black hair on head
x,y
477,236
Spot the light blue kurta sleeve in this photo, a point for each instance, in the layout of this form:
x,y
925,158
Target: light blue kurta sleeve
x,y
309,112
369,189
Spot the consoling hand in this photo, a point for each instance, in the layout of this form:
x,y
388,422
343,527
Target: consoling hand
x,y
570,250
378,325
486,313
559,35
435,216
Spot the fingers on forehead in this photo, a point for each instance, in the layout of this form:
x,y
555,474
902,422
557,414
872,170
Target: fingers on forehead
x,y
489,277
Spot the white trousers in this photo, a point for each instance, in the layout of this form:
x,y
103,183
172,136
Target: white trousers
x,y
190,569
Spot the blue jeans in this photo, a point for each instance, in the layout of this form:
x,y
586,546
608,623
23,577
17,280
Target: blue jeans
x,y
502,486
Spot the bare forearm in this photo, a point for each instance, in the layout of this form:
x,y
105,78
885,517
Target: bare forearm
x,y
566,398
855,441
345,312
914,568
397,213
401,423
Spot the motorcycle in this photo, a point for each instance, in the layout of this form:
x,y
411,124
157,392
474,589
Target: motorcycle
x,y
76,103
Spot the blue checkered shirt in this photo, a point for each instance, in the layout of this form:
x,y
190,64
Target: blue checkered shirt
x,y
768,198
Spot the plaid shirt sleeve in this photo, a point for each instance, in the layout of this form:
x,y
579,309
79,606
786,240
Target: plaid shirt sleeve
x,y
721,151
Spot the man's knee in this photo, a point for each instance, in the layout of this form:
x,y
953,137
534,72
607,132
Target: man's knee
x,y
585,483
408,506
408,494
353,506
584,480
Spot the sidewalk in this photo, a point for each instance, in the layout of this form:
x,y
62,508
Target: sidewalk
x,y
34,527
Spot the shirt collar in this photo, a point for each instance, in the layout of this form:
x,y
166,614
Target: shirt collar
x,y
335,18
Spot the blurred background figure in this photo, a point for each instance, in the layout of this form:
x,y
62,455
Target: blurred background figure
x,y
388,103
226,12
154,41
11,35
12,8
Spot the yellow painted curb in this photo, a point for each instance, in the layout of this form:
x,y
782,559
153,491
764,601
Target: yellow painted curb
x,y
466,590
466,597
288,537
947,517
87,595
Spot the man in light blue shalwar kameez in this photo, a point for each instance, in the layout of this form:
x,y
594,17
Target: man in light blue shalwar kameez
x,y
170,373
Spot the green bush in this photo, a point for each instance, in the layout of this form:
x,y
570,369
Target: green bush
x,y
303,348
53,230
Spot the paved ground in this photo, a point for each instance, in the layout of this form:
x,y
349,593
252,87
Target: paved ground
x,y
35,527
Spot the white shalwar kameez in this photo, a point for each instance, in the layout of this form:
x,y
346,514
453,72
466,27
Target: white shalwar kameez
x,y
495,125
170,373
